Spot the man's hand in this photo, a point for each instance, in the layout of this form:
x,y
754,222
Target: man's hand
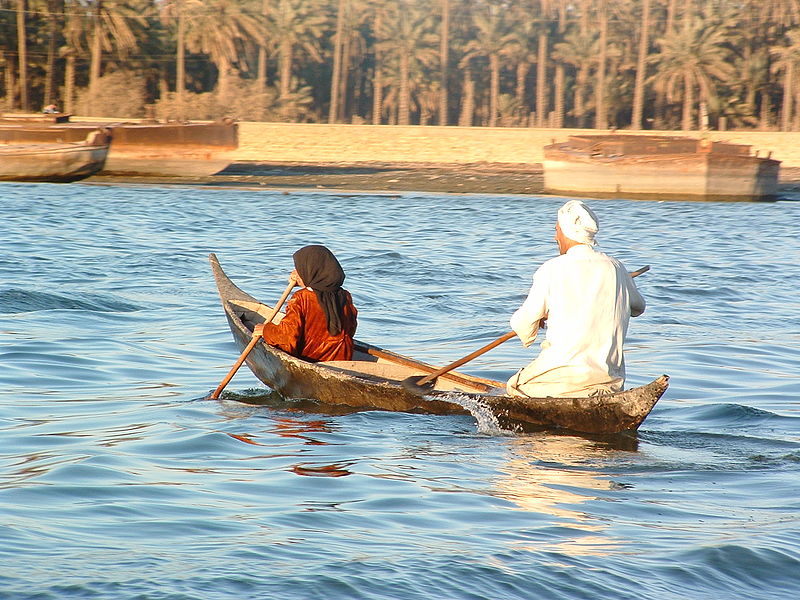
x,y
258,330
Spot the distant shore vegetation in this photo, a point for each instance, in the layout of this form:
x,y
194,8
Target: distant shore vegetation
x,y
627,64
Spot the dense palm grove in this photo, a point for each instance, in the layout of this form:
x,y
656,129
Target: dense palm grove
x,y
526,63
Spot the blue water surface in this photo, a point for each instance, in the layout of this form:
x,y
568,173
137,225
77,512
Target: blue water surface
x,y
118,479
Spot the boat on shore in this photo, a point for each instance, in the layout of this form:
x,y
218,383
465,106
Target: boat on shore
x,y
373,380
55,162
656,167
144,148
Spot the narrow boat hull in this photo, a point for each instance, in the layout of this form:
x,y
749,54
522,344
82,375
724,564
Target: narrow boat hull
x,y
142,149
54,162
372,380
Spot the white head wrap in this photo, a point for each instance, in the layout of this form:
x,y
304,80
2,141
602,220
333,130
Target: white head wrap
x,y
578,222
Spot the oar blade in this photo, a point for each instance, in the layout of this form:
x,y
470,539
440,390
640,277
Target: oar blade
x,y
413,385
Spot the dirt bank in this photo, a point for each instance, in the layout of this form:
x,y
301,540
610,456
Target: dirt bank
x,y
472,178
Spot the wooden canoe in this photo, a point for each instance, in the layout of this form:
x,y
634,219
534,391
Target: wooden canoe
x,y
55,162
372,380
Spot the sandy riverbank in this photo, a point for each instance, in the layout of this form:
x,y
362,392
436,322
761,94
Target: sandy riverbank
x,y
470,178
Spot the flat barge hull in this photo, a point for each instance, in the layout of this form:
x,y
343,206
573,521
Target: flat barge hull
x,y
657,168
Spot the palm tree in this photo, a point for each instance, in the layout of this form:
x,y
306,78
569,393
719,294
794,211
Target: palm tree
x,y
174,11
113,23
547,9
377,80
221,29
336,75
641,66
601,110
522,52
409,39
75,37
691,59
493,39
578,50
55,16
298,24
22,50
444,59
787,61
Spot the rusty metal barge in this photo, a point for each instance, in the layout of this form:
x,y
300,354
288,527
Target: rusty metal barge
x,y
657,167
144,148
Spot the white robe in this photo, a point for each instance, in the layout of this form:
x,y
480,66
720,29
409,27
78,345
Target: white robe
x,y
587,298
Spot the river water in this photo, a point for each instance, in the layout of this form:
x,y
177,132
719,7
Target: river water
x,y
119,480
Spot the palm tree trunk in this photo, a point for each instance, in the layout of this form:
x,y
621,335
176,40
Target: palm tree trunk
x,y
541,82
641,67
404,98
261,77
180,68
224,79
688,103
285,75
494,88
377,79
344,88
22,49
786,110
523,68
8,79
580,88
559,96
444,57
601,116
671,10
96,57
52,35
764,117
69,84
333,109
467,101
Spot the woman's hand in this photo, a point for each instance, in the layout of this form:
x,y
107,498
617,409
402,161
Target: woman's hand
x,y
295,278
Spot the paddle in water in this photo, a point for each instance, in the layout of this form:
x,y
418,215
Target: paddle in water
x,y
422,384
252,343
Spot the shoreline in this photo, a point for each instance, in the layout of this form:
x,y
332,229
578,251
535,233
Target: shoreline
x,y
450,178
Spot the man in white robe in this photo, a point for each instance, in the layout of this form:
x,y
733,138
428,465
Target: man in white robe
x,y
587,299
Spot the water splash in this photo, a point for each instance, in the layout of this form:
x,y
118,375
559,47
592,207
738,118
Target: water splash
x,y
485,419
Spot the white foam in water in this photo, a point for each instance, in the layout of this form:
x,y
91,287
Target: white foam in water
x,y
485,419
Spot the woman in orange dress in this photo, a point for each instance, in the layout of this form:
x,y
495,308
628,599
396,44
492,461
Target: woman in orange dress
x,y
320,319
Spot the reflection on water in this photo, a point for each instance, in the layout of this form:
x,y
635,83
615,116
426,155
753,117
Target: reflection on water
x,y
310,470
549,474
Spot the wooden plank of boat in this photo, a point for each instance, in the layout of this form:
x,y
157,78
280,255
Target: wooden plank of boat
x,y
372,380
55,162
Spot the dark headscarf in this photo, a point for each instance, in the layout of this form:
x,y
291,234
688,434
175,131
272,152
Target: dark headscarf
x,y
319,270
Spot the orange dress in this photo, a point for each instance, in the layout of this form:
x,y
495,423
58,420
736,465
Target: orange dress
x,y
303,331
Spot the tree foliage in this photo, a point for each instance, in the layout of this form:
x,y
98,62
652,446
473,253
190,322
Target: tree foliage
x,y
570,63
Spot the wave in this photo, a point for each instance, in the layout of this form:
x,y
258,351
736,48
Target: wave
x,y
13,301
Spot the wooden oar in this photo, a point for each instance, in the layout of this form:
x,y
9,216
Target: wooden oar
x,y
252,343
423,384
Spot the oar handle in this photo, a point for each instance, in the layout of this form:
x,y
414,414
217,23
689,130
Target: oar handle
x,y
252,343
466,359
490,345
